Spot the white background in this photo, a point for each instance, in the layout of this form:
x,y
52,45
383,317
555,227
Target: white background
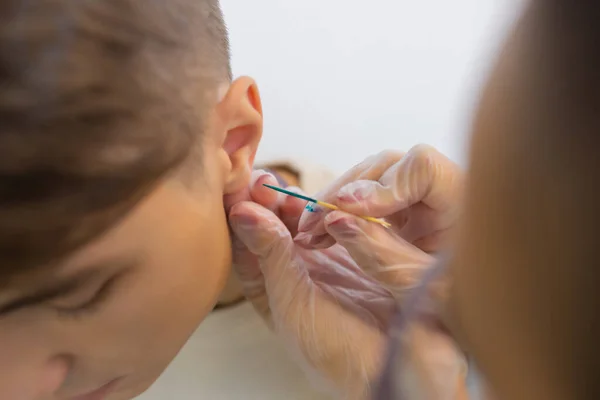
x,y
342,79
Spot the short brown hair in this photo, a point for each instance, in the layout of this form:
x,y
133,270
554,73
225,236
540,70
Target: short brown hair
x,y
94,110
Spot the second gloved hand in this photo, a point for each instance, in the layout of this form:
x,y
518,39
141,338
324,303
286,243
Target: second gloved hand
x,y
426,361
419,193
331,315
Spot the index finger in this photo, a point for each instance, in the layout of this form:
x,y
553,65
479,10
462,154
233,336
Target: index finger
x,y
372,168
424,175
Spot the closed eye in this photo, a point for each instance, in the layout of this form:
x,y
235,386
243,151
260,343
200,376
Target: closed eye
x,y
91,304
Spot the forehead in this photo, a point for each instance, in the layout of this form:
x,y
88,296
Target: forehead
x,y
119,245
164,214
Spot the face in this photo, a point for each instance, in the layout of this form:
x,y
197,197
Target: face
x,y
132,298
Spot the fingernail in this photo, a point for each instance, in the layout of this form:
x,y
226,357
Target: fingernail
x,y
356,192
321,242
303,239
309,221
243,222
309,241
267,176
317,240
268,179
344,225
260,175
346,222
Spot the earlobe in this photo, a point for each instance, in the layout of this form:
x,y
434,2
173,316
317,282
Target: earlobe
x,y
242,110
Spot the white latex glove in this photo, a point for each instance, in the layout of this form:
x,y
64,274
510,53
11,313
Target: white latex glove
x,y
418,192
331,316
426,364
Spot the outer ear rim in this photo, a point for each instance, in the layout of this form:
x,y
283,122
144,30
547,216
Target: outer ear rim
x,y
244,113
243,87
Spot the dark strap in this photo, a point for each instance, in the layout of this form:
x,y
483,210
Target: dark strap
x,y
385,389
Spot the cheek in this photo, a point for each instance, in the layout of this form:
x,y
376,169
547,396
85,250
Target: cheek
x,y
193,266
161,303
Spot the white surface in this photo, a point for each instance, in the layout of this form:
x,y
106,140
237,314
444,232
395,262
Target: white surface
x,y
233,356
342,79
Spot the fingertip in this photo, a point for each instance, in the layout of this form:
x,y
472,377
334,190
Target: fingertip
x,y
343,227
258,228
243,213
322,242
311,242
356,192
303,240
311,220
337,216
293,203
256,175
252,212
307,222
370,198
290,212
263,195
340,220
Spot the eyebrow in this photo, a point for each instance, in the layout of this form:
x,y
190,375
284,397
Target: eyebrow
x,y
61,289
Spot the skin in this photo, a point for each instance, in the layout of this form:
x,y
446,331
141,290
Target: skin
x,y
169,260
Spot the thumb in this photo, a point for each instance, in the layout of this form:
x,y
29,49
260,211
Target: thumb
x,y
378,251
258,228
422,175
371,198
270,242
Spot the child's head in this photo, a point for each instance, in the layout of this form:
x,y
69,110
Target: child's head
x,y
120,132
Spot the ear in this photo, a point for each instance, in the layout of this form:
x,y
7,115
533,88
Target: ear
x,y
241,112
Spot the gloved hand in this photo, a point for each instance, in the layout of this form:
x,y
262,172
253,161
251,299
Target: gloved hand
x,y
332,315
270,199
418,192
425,360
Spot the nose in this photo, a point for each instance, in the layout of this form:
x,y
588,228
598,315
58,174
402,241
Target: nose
x,y
54,375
